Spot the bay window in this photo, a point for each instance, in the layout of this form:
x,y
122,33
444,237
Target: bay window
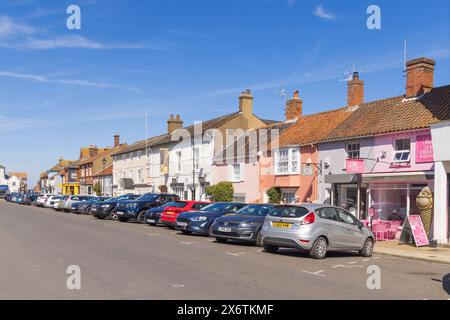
x,y
287,161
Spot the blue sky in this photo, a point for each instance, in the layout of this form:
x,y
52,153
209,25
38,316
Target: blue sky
x,y
62,89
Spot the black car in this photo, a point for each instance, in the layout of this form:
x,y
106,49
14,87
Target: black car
x,y
202,220
107,209
245,225
135,209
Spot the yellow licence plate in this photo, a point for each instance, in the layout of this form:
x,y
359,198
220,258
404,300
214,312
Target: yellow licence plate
x,y
169,212
282,225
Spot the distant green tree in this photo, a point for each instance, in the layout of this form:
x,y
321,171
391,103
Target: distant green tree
x,y
274,195
98,189
221,192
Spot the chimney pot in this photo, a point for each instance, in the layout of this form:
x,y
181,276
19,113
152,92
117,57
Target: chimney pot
x,y
419,76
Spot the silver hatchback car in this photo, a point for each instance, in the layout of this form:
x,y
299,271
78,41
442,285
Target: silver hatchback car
x,y
316,229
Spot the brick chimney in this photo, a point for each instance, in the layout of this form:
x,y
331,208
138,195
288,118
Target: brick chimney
x,y
246,103
419,76
116,140
174,123
293,109
355,90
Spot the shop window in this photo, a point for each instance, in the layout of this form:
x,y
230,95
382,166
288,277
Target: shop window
x,y
353,150
402,151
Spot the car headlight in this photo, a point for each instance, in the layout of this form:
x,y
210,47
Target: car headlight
x,y
106,206
200,218
247,224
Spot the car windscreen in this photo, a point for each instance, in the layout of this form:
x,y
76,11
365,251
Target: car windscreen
x,y
216,207
148,197
256,210
289,212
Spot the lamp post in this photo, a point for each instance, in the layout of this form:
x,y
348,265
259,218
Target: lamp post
x,y
103,177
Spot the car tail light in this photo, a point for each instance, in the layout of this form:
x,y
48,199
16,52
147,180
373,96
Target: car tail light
x,y
308,219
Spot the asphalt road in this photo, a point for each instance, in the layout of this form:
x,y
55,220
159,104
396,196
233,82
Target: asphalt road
x,y
132,261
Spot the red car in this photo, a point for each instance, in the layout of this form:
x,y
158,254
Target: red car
x,y
170,214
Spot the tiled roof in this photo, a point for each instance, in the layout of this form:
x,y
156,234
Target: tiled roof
x,y
395,114
20,175
313,128
107,172
166,138
61,165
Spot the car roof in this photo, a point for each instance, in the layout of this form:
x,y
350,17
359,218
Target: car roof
x,y
309,206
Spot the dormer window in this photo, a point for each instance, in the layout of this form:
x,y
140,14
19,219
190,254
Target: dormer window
x,y
402,151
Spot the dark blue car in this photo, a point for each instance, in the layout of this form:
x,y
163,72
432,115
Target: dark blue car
x,y
135,209
107,209
201,221
153,215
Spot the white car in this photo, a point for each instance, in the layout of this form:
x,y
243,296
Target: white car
x,y
51,201
40,201
77,198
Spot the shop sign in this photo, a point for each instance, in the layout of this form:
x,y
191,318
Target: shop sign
x,y
354,166
424,149
413,228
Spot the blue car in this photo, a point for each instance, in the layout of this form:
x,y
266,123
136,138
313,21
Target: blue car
x,y
107,209
135,209
201,221
153,215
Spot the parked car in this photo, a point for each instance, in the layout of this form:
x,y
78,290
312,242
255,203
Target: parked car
x,y
201,221
20,199
170,213
153,215
107,209
4,189
41,199
83,207
30,199
135,209
76,198
316,229
61,204
51,201
245,225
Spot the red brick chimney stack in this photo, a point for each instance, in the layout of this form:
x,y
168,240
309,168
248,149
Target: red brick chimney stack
x,y
116,140
419,76
293,109
355,91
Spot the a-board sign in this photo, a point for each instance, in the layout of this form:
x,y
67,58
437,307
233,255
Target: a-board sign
x,y
413,230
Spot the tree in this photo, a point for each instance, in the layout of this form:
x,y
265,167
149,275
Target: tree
x,y
274,195
221,192
98,189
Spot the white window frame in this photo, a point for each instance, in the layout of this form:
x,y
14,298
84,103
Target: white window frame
x,y
293,164
400,153
353,150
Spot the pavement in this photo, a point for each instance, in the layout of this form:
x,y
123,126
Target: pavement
x,y
394,248
41,248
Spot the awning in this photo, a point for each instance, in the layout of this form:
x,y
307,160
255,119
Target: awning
x,y
399,176
343,178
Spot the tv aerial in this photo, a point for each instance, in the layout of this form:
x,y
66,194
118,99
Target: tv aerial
x,y
350,73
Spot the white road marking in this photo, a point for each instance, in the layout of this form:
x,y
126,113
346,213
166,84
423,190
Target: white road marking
x,y
317,273
178,286
188,243
366,260
346,267
238,254
153,234
353,262
259,251
376,258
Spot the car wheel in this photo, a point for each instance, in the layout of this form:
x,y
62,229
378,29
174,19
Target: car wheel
x,y
113,215
123,219
270,249
141,217
367,249
319,248
187,233
259,239
221,240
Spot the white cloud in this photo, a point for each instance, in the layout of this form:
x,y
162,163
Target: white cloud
x,y
71,82
8,124
10,28
321,13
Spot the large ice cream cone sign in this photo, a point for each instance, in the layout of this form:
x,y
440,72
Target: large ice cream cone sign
x,y
424,203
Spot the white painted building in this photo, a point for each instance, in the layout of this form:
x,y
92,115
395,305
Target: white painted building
x,y
441,221
12,181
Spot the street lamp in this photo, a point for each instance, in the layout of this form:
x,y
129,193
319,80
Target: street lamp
x,y
103,177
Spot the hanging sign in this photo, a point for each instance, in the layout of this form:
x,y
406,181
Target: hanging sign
x,y
354,166
413,230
